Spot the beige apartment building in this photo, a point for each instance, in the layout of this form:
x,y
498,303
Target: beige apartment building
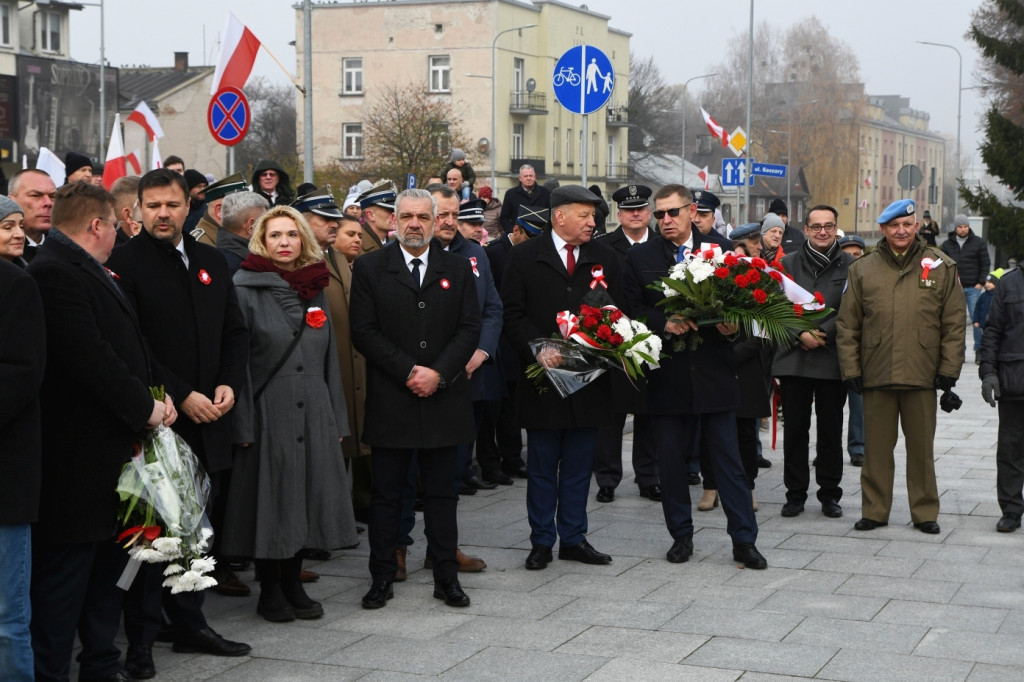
x,y
447,47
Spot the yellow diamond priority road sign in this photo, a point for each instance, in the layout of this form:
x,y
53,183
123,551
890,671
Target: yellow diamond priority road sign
x,y
738,141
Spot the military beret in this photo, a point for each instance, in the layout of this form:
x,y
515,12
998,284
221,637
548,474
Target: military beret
x,y
229,185
472,211
746,231
632,196
572,194
319,201
897,209
705,200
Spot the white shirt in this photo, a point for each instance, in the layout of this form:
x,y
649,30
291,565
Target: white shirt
x,y
29,240
560,248
647,233
181,249
423,259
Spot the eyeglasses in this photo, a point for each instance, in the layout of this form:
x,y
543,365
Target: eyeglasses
x,y
674,212
268,174
116,223
827,227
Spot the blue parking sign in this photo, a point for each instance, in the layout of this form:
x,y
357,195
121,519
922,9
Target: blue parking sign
x,y
583,79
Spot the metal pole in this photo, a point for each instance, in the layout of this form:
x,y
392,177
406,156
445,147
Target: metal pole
x,y
959,103
789,162
103,84
750,96
682,158
307,78
494,102
584,143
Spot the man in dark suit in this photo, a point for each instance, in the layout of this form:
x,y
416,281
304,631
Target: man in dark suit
x,y
22,360
416,321
526,193
34,191
182,293
95,402
634,217
544,276
694,392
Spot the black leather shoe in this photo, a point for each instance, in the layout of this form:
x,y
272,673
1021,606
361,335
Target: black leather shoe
x,y
749,555
857,460
1008,524
831,509
651,492
539,558
139,661
206,641
377,597
605,493
584,553
474,482
314,554
515,472
693,479
120,676
681,551
450,590
272,604
304,607
869,524
498,478
929,527
763,463
463,490
792,509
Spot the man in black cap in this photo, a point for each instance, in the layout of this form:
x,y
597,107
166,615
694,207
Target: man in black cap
x,y
556,272
209,224
704,222
322,213
77,167
634,217
197,185
929,228
378,205
792,238
471,219
526,193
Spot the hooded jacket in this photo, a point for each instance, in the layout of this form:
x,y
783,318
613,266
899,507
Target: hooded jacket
x,y
285,193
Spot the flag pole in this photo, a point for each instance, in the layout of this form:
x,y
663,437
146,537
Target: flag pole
x,y
278,62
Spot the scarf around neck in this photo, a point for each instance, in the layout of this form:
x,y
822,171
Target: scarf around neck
x,y
307,281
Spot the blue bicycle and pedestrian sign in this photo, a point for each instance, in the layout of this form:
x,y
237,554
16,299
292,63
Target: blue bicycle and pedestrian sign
x,y
584,79
228,116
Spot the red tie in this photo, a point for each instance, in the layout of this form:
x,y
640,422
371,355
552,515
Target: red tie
x,y
570,258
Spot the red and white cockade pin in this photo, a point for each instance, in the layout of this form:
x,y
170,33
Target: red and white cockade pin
x,y
112,273
472,261
597,273
205,278
315,317
445,284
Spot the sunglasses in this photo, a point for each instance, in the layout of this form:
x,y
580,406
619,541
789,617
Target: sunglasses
x,y
674,212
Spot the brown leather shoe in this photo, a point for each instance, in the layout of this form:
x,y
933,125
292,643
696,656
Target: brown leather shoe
x,y
401,575
467,564
308,577
229,585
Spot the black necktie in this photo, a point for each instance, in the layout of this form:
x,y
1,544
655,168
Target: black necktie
x,y
416,263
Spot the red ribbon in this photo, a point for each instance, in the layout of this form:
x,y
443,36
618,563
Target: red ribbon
x,y
472,261
597,272
149,532
569,328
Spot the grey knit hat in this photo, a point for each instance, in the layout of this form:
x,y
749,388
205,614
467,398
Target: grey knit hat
x,y
961,219
8,206
458,155
771,220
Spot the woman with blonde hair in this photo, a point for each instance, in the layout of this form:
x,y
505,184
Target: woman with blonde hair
x,y
289,489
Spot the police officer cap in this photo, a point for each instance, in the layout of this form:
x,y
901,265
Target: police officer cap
x,y
852,239
897,209
633,196
705,200
746,231
572,194
382,194
229,185
319,201
533,220
472,211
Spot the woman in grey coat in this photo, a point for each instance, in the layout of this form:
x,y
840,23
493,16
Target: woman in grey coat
x,y
289,489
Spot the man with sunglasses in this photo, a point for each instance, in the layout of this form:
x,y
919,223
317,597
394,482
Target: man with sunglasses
x,y
808,370
901,331
694,392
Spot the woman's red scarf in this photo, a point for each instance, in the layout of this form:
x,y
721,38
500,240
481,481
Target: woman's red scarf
x,y
307,281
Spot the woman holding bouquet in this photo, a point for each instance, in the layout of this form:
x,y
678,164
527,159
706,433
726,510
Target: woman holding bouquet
x,y
289,486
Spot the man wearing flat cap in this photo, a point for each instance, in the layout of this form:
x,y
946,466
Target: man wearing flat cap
x,y
209,224
634,217
747,236
378,206
704,220
900,334
558,271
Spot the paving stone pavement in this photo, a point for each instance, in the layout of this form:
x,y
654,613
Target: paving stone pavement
x,y
834,604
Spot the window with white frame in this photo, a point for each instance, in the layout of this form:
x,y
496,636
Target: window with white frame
x,y
568,147
352,141
49,28
352,75
440,73
5,24
518,130
556,142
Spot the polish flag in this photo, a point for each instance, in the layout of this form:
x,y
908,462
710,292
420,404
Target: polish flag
x,y
717,131
133,161
115,165
863,203
145,117
867,181
158,162
237,54
703,175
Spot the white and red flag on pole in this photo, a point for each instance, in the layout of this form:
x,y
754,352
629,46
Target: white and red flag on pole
x,y
133,161
145,117
717,131
237,53
158,161
867,181
703,175
115,165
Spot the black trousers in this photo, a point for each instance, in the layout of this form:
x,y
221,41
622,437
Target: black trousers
x,y
499,443
828,398
437,474
1010,457
74,590
608,453
746,431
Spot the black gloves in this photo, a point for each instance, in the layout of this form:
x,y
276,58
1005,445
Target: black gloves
x,y
990,389
944,383
855,384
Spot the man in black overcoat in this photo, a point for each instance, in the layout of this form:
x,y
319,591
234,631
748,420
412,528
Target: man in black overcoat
x,y
95,403
182,293
694,392
544,276
416,321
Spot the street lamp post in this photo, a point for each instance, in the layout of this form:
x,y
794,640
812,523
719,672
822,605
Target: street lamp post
x,y
103,76
682,164
959,102
789,154
494,100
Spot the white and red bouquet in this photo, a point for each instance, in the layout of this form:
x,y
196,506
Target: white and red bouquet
x,y
589,343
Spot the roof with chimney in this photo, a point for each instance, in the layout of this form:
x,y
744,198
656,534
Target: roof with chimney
x,y
138,83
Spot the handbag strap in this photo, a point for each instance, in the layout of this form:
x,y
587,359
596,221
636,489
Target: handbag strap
x,y
280,363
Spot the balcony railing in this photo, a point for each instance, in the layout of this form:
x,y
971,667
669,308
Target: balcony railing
x,y
528,103
617,115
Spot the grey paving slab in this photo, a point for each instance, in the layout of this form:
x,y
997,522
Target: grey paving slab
x,y
984,672
940,552
645,615
774,578
995,596
827,605
863,544
545,635
258,670
899,588
289,642
853,634
770,626
630,669
500,664
399,654
663,647
981,574
952,616
973,646
894,567
854,666
723,596
769,657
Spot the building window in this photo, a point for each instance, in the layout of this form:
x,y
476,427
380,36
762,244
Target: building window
x,y
760,207
440,73
5,24
352,141
49,23
611,157
352,73
442,140
517,140
568,147
555,144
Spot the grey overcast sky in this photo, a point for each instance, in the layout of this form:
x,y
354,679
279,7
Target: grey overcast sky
x,y
686,37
